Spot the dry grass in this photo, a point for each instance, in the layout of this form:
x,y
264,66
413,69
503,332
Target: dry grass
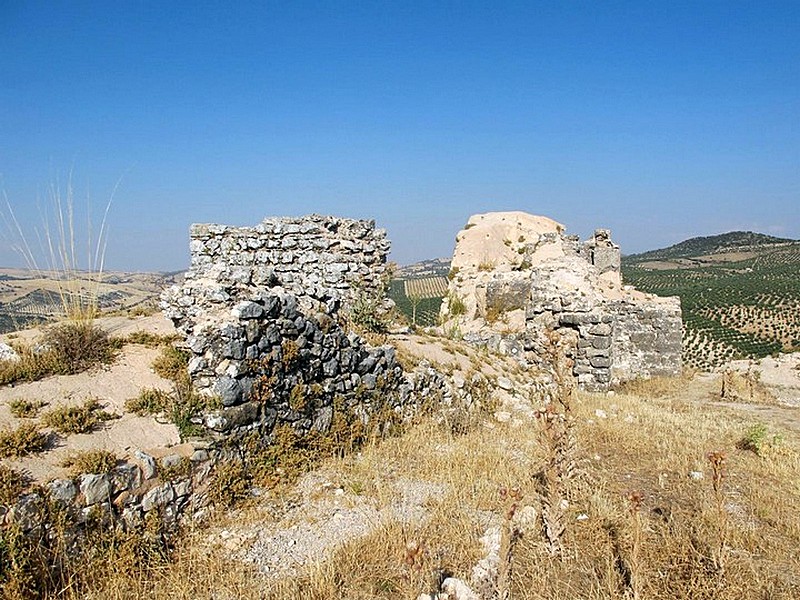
x,y
90,461
12,484
65,349
640,523
25,439
22,408
77,419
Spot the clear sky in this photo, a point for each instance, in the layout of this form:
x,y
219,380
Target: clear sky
x,y
660,120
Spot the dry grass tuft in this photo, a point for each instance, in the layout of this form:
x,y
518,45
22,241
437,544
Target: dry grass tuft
x,y
25,439
77,419
25,409
65,349
78,346
171,364
91,461
12,484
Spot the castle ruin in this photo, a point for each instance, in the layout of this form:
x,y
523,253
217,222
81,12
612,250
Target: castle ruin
x,y
517,276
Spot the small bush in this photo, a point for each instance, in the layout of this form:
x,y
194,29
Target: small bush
x,y
25,439
77,419
456,305
453,273
12,484
183,406
25,409
78,346
172,364
144,309
758,440
180,470
366,315
230,485
150,401
32,365
91,461
186,409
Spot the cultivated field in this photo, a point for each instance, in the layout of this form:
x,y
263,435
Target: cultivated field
x,y
419,299
732,308
27,297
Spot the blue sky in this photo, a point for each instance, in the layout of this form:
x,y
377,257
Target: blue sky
x,y
659,120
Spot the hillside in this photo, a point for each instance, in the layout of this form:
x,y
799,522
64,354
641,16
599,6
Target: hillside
x,y
29,297
739,291
417,290
459,503
714,249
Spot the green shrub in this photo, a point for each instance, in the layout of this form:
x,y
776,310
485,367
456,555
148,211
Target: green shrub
x,y
187,407
182,406
25,409
77,419
456,305
91,461
365,314
758,440
25,439
172,364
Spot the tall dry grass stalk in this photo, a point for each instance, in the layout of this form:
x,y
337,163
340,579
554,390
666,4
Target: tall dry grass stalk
x,y
58,250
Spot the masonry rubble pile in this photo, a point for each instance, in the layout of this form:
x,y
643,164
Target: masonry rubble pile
x,y
516,276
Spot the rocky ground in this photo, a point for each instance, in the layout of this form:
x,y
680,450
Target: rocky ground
x,y
111,385
323,510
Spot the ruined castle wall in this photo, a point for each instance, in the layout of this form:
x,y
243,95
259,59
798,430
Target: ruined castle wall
x,y
543,280
259,310
316,258
646,340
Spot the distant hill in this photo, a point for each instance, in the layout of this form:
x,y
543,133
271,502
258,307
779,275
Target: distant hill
x,y
714,248
30,297
434,267
740,293
418,289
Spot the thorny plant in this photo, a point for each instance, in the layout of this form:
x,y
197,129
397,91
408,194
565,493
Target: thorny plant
x,y
413,562
717,460
559,441
510,535
634,567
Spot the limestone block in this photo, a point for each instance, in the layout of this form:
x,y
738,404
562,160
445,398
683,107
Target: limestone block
x,y
95,488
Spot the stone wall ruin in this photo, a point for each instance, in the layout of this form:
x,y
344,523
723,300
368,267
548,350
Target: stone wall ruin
x,y
262,309
516,276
